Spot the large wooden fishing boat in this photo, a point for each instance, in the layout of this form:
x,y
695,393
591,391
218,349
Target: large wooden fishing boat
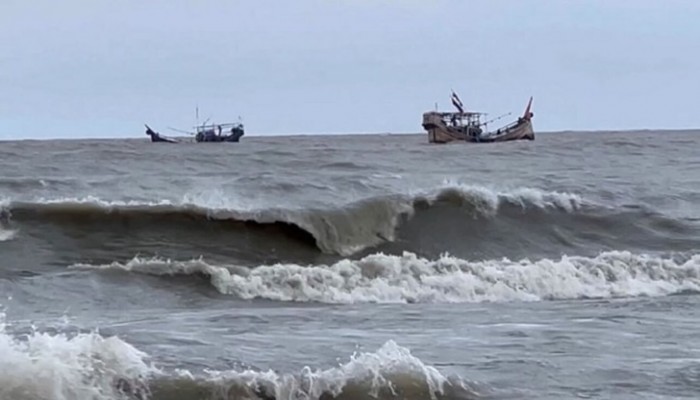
x,y
445,127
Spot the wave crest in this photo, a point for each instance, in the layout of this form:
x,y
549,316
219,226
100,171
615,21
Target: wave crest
x,y
488,201
390,372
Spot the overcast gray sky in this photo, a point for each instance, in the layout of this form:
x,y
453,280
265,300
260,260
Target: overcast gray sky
x,y
93,68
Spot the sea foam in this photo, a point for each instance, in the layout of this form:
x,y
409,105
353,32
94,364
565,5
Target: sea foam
x,y
408,278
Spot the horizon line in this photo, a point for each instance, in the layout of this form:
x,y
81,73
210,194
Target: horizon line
x,y
547,132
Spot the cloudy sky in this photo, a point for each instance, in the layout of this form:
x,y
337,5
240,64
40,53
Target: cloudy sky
x,y
93,68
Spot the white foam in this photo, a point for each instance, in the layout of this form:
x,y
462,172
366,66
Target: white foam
x,y
58,367
97,202
381,278
6,235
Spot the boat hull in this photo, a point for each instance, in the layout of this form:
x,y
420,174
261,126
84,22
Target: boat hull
x,y
161,139
439,132
157,137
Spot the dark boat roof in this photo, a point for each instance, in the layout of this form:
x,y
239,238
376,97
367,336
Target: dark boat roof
x,y
224,125
459,114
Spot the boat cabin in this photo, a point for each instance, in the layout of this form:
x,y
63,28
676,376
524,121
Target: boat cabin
x,y
228,132
467,123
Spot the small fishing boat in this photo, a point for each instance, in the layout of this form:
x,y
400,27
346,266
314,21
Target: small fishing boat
x,y
445,127
205,132
157,137
214,133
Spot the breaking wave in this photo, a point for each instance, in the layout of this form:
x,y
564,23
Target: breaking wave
x,y
89,366
408,278
344,231
389,373
61,367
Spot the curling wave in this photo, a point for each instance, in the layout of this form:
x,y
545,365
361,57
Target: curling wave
x,y
344,231
462,220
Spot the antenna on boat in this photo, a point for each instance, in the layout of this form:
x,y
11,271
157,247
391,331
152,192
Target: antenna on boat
x,y
196,114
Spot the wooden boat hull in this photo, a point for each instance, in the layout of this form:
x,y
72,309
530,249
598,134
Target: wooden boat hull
x,y
442,136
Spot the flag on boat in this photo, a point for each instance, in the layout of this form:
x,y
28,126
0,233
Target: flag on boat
x,y
457,102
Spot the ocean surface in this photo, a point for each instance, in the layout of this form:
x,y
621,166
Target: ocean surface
x,y
351,267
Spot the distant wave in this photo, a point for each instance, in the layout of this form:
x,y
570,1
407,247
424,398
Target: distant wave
x,y
344,230
61,367
408,278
